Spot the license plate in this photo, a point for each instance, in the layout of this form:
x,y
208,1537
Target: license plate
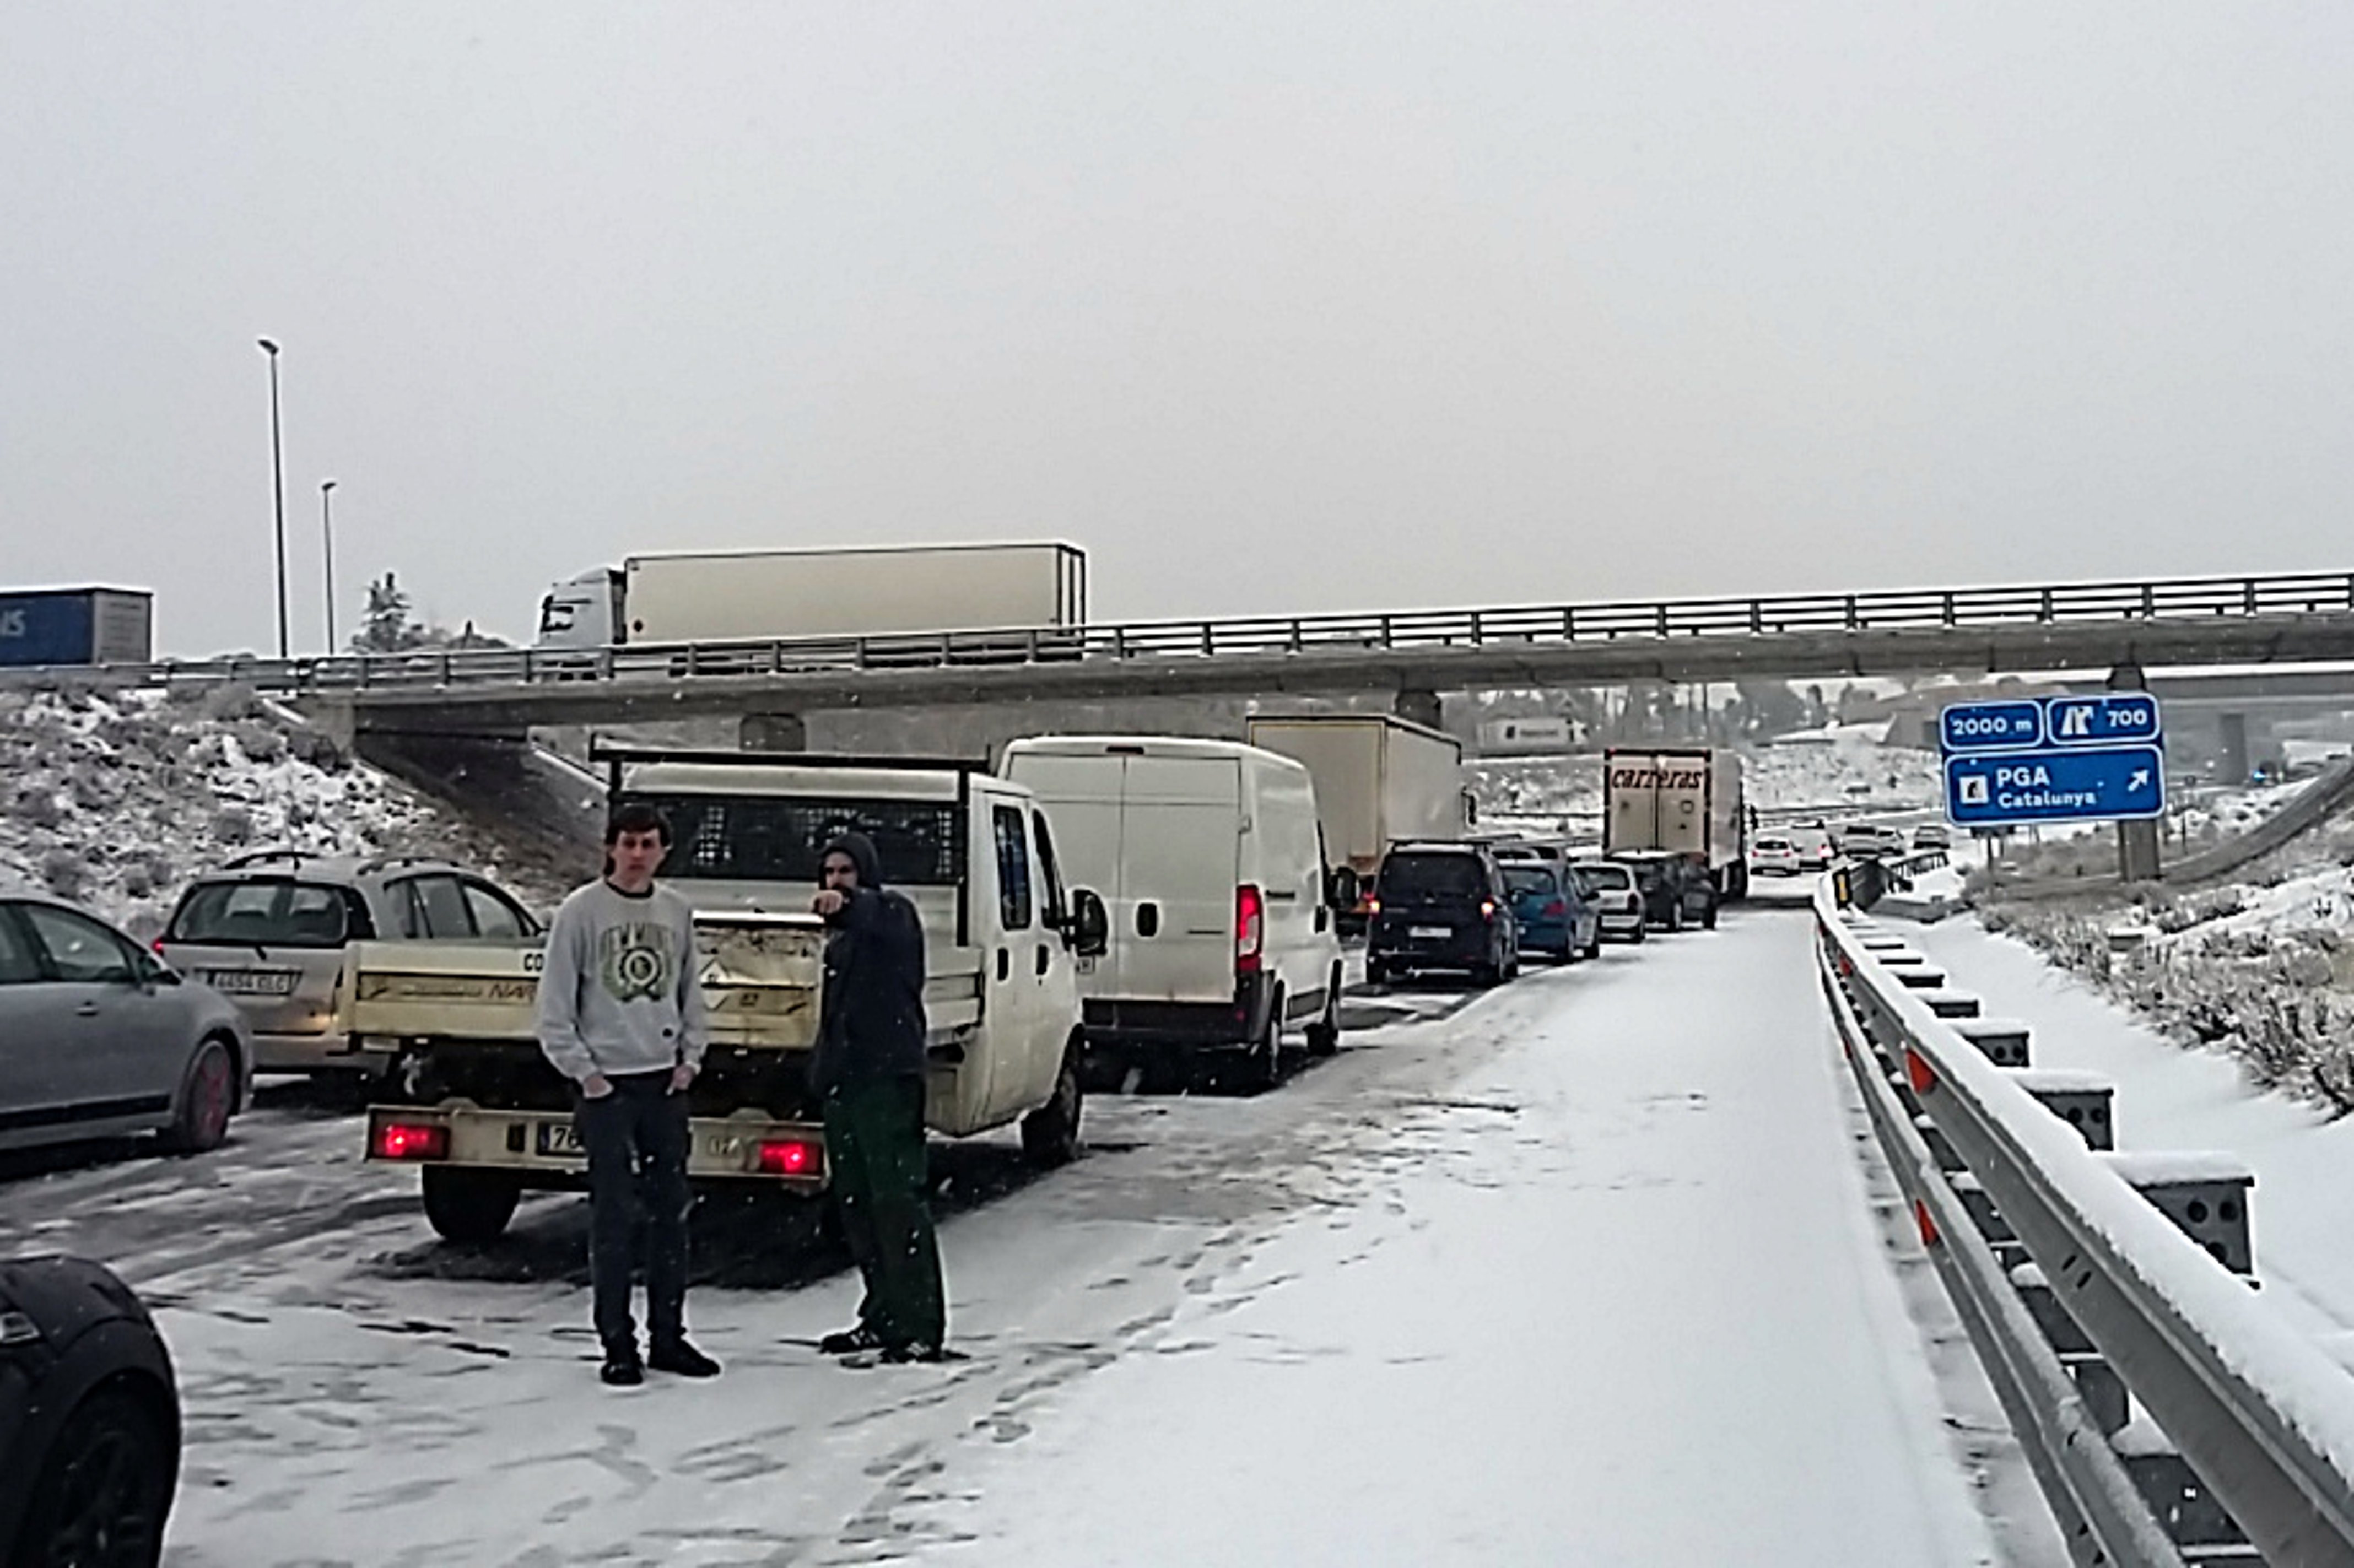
x,y
251,982
1430,933
560,1138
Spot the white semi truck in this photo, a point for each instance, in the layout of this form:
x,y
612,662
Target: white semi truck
x,y
484,1116
1378,780
1685,801
729,596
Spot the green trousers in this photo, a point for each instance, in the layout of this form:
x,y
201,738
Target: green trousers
x,y
875,1138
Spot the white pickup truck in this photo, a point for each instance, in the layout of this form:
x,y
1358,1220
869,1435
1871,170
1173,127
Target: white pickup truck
x,y
479,1111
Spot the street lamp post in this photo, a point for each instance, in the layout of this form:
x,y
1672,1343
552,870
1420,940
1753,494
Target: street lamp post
x,y
327,542
278,480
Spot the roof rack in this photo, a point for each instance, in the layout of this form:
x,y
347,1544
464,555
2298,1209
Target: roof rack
x,y
599,751
266,857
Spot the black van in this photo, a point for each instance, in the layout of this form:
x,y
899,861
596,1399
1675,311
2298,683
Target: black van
x,y
1441,905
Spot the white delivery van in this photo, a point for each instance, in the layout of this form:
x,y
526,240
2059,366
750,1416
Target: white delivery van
x,y
1208,855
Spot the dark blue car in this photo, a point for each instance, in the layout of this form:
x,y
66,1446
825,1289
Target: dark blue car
x,y
1556,916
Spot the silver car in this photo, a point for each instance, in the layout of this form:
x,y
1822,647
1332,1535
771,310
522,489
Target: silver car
x,y
271,932
99,1038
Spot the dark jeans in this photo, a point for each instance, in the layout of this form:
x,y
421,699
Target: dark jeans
x,y
636,1140
874,1137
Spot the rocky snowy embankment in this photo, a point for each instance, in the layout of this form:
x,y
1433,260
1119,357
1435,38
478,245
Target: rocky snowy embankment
x,y
115,798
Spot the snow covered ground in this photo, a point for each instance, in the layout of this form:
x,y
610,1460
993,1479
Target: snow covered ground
x,y
115,798
2170,1097
1587,1271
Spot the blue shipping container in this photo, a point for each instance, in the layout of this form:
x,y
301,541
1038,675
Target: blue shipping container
x,y
76,626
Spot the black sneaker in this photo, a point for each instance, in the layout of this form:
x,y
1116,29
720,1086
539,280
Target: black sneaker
x,y
622,1369
682,1359
851,1341
914,1351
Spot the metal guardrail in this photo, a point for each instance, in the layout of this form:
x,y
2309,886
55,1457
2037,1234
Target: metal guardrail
x,y
2174,600
2263,1419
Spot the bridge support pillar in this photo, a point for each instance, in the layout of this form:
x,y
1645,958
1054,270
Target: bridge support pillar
x,y
2137,843
772,732
1418,707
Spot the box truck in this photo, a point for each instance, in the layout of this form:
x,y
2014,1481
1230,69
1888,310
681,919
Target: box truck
x,y
732,596
1687,801
77,626
1378,780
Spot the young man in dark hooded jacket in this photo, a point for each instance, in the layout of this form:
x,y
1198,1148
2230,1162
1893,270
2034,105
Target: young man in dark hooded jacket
x,y
869,1073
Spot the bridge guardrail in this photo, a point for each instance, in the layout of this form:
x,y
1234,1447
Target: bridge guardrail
x,y
2008,1197
2184,599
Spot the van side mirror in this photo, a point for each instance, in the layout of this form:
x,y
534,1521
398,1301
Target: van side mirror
x,y
1089,932
1342,887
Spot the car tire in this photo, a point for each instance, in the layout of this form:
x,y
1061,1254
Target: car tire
x,y
1642,934
469,1207
1707,920
1676,917
1266,1067
1324,1034
208,1099
1378,972
105,1488
1050,1134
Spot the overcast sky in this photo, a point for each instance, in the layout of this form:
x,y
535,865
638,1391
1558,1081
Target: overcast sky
x,y
1317,306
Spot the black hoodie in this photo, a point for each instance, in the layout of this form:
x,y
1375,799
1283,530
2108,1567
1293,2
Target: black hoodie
x,y
873,1003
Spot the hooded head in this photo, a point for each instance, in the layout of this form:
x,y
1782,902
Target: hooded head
x,y
861,850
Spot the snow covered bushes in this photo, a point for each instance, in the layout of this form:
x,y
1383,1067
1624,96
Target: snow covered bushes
x,y
116,798
2265,976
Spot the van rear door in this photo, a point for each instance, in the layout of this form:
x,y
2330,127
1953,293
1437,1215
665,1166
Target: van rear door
x,y
1181,853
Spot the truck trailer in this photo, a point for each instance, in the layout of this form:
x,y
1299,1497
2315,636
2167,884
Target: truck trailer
x,y
734,596
1378,780
1686,802
82,626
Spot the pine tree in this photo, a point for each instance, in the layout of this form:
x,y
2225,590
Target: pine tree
x,y
388,627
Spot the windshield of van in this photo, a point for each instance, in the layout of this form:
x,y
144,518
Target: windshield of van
x,y
1431,876
781,838
273,912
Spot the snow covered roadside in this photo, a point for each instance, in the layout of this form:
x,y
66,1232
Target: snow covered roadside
x,y
2170,1097
115,798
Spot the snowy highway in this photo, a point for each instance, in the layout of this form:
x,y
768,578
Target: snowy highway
x,y
1585,1271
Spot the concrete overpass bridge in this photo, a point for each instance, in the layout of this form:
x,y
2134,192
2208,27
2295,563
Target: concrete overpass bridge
x,y
1411,656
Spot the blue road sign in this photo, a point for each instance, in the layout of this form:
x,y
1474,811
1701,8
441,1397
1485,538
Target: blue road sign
x,y
2082,785
1990,726
2100,721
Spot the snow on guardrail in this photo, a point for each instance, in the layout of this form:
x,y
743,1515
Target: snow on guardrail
x,y
2248,1426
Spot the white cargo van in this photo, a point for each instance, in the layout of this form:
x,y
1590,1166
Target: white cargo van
x,y
1208,855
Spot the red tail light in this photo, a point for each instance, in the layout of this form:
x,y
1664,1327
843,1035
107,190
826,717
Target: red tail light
x,y
1486,909
1558,906
157,946
412,1141
1373,905
793,1157
1250,928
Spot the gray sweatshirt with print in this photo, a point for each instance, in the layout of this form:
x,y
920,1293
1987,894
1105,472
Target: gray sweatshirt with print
x,y
619,992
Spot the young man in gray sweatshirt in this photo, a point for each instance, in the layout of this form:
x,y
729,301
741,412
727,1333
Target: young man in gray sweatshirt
x,y
621,1015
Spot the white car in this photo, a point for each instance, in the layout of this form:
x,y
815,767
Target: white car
x,y
1870,840
1615,897
1774,856
1813,844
